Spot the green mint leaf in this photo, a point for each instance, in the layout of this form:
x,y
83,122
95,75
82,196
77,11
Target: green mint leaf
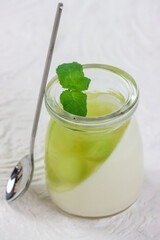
x,y
71,76
74,102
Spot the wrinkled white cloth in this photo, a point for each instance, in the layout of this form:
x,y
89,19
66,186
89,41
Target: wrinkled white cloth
x,y
125,34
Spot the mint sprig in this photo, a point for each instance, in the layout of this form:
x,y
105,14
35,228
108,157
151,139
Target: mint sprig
x,y
71,77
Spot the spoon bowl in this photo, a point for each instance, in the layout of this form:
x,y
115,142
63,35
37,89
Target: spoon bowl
x,y
20,178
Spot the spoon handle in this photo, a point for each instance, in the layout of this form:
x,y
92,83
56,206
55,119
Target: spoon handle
x,y
45,75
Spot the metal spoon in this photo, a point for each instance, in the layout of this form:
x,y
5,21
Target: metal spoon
x,y
21,176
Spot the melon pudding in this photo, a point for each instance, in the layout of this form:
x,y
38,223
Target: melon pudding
x,y
94,172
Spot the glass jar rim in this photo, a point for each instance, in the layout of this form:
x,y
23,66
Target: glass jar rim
x,y
116,117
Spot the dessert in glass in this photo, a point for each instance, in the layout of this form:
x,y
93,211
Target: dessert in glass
x,y
94,164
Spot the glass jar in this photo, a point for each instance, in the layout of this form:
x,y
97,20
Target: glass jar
x,y
94,164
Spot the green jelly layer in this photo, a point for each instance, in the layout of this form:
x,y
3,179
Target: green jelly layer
x,y
72,156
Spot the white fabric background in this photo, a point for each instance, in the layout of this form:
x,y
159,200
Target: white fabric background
x,y
123,33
